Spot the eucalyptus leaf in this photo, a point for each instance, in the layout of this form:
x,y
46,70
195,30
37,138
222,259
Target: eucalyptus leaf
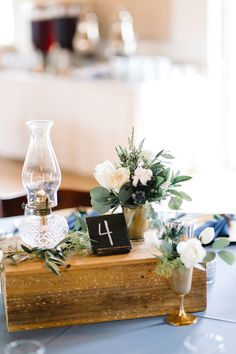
x,y
165,173
159,154
210,256
17,258
141,144
175,203
159,180
26,249
124,194
176,193
53,267
227,256
61,255
179,179
34,249
156,167
185,196
39,251
100,194
100,208
221,242
48,254
167,156
56,261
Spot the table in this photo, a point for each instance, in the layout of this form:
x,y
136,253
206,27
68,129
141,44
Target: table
x,y
142,336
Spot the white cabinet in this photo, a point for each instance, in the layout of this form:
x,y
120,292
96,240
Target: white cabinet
x,y
92,117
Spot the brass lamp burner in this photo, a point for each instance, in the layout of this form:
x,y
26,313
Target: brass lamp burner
x,y
41,204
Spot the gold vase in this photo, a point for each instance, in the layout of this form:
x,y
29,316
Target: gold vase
x,y
181,282
136,221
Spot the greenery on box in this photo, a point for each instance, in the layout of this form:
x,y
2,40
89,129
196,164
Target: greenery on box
x,y
138,178
76,242
175,250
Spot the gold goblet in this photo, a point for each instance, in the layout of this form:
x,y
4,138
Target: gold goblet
x,y
181,281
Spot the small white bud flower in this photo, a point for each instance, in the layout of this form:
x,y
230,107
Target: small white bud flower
x,y
207,235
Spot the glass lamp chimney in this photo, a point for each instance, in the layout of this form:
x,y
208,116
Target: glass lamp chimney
x,y
41,170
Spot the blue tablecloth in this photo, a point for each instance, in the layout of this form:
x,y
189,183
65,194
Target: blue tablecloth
x,y
143,336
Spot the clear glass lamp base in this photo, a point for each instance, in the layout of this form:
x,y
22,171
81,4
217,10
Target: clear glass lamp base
x,y
43,231
181,320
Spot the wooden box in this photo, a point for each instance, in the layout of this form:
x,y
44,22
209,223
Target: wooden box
x,y
93,289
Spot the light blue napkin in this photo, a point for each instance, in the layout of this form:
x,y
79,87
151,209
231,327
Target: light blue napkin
x,y
71,219
220,223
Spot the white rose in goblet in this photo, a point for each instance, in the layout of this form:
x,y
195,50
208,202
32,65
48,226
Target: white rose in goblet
x,y
119,178
191,252
143,175
104,173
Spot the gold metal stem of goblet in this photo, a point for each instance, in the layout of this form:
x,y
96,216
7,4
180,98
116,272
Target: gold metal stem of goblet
x,y
182,318
182,312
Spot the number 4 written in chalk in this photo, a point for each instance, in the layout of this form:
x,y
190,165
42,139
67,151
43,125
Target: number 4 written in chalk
x,y
108,232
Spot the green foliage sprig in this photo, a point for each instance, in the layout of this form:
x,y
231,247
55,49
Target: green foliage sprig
x,y
77,242
167,250
165,267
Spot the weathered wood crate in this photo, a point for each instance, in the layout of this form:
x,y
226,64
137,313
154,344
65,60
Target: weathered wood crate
x,y
93,289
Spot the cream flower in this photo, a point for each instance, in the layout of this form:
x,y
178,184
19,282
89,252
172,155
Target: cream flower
x,y
143,175
104,173
120,176
1,256
207,235
149,155
191,252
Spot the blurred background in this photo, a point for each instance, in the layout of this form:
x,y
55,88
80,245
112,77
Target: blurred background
x,y
97,68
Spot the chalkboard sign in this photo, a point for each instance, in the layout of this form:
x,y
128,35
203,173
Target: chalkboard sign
x,y
108,234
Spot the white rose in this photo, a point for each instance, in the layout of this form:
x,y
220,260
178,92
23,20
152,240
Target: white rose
x,y
103,173
143,175
191,252
120,176
207,235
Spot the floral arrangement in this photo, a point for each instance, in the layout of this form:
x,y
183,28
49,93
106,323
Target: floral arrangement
x,y
138,178
175,250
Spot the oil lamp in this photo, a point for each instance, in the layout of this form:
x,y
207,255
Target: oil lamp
x,y
41,177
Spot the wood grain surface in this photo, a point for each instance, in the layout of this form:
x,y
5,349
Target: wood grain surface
x,y
93,289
